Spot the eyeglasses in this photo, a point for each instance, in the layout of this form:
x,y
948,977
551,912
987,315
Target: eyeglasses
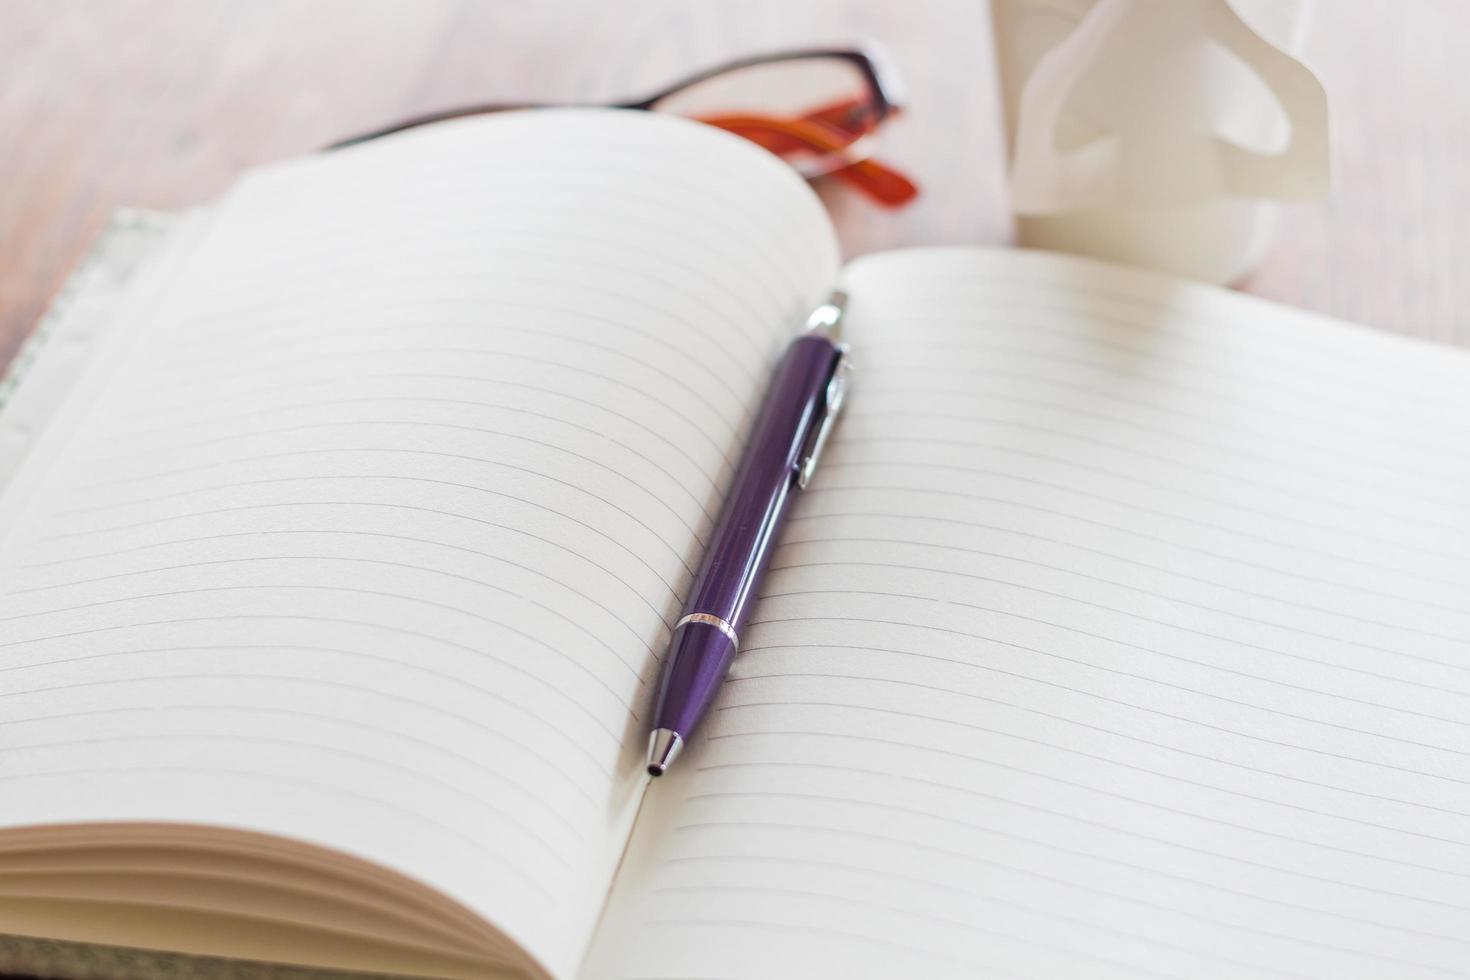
x,y
818,110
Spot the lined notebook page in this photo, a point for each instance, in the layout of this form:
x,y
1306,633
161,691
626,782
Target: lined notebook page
x,y
371,530
1124,633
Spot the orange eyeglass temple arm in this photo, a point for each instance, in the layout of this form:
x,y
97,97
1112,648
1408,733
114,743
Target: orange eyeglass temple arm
x,y
822,133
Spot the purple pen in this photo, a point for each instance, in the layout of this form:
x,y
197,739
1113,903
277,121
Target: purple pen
x,y
805,397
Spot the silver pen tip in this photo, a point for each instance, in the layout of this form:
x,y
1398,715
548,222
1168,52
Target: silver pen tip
x,y
664,745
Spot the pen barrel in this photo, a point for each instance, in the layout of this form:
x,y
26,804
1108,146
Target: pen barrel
x,y
698,658
740,546
741,543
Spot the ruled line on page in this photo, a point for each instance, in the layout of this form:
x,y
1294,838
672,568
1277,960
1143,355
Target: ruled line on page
x,y
1208,331
1076,817
669,584
243,296
1244,427
273,778
992,900
480,763
981,552
1258,770
818,490
1009,584
530,831
591,713
663,616
1009,869
575,370
499,559
522,746
833,675
694,527
711,475
966,925
1123,474
674,374
750,361
729,426
490,190
745,855
1050,845
1173,515
719,924
1211,328
749,307
1097,351
787,734
511,409
711,368
542,575
410,566
970,635
599,407
1102,668
1144,938
1114,556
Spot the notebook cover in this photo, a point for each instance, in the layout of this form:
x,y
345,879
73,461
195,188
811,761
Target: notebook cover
x,y
33,387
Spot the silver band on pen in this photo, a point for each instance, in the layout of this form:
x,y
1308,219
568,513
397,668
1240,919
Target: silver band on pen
x,y
709,619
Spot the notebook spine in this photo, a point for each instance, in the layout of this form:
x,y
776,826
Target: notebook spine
x,y
110,258
25,956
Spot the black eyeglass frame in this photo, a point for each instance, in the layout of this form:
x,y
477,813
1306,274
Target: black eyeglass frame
x,y
870,60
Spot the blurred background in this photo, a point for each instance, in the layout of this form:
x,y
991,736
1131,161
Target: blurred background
x,y
160,103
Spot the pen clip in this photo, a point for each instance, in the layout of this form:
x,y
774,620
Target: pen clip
x,y
832,405
826,320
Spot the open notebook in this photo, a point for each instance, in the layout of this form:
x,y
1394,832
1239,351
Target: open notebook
x,y
1124,631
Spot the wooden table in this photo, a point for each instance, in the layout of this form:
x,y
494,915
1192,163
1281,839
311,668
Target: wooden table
x,y
159,103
